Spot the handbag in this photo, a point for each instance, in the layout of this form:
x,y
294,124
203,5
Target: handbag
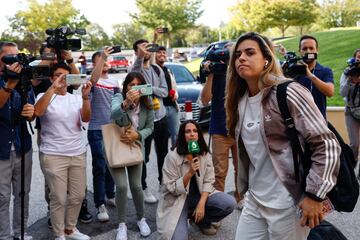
x,y
118,153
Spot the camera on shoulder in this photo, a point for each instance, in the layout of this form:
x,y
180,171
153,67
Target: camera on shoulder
x,y
58,39
353,69
292,68
28,72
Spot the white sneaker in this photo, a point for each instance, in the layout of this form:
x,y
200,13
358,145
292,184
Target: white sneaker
x,y
148,197
28,237
144,227
60,238
76,235
102,215
121,232
111,202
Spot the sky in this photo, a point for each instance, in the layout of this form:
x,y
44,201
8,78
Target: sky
x,y
110,12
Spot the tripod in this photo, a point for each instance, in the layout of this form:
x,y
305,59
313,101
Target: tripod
x,y
23,90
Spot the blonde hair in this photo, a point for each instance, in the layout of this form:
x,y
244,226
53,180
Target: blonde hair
x,y
237,86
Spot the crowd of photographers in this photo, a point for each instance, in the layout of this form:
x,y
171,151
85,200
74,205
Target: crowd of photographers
x,y
45,92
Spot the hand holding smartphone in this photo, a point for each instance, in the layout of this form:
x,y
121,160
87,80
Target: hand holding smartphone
x,y
152,47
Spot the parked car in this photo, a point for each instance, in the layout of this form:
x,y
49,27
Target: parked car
x,y
189,89
118,63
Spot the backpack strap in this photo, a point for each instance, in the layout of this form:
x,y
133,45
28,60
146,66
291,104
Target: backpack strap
x,y
291,131
156,69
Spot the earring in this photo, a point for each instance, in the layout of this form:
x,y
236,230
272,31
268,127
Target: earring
x,y
266,64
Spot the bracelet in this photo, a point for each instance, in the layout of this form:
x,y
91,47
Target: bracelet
x,y
86,98
8,90
70,61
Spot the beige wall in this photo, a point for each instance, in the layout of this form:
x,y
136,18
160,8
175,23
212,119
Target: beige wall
x,y
336,116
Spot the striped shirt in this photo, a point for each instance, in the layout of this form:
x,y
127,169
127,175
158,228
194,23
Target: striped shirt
x,y
101,95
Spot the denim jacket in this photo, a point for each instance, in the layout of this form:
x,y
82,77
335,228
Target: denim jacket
x,y
10,124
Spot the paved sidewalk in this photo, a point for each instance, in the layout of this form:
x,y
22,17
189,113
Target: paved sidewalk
x,y
348,223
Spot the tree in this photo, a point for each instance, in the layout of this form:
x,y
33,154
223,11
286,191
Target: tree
x,y
176,15
249,15
309,12
126,34
95,38
29,25
285,13
198,34
340,13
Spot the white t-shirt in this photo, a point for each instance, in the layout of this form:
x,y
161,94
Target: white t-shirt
x,y
61,126
264,184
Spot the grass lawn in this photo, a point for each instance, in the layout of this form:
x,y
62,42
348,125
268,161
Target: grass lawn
x,y
335,47
194,66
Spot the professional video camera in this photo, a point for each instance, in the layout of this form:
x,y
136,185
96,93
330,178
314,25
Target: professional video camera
x,y
27,72
218,62
218,59
58,39
292,68
353,69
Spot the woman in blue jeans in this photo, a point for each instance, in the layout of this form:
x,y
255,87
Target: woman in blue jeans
x,y
130,107
188,191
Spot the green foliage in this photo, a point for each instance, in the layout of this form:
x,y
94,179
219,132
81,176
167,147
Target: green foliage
x,y
340,13
260,15
335,48
176,15
95,38
285,13
126,34
29,25
249,15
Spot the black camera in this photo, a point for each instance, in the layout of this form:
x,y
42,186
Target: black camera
x,y
27,72
353,69
218,62
292,68
58,39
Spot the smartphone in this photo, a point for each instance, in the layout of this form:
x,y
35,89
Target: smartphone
x,y
76,79
163,30
153,47
116,49
145,90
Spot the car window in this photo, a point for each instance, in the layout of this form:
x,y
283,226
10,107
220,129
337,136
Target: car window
x,y
119,58
181,73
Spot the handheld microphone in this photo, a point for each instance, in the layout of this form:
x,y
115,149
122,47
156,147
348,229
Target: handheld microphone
x,y
194,149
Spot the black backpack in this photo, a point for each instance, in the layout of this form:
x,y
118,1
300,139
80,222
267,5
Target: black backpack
x,y
345,193
325,231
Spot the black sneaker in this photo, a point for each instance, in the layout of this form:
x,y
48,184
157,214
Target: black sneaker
x,y
84,215
49,223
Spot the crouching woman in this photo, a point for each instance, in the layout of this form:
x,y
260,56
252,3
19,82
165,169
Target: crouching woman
x,y
188,191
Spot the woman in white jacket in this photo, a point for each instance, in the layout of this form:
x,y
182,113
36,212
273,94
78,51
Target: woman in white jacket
x,y
188,191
